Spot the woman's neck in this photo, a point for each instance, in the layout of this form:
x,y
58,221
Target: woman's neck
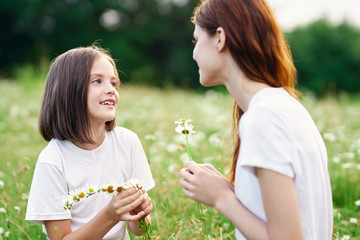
x,y
241,88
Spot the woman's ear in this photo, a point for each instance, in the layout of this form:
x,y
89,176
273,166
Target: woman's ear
x,y
221,39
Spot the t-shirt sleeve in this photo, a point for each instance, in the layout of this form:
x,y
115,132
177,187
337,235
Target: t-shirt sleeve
x,y
266,143
140,166
46,194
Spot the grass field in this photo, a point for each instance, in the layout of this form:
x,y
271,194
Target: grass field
x,y
151,114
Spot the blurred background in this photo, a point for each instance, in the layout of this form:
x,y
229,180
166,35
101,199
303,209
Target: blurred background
x,y
151,39
152,43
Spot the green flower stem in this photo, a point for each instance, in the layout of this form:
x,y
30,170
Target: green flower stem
x,y
187,147
199,207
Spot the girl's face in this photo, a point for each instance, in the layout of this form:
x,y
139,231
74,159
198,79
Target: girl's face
x,y
102,97
207,57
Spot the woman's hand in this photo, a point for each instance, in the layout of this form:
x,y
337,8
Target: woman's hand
x,y
205,184
122,206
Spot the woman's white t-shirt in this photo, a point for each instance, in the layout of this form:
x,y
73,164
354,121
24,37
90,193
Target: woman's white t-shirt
x,y
277,133
63,167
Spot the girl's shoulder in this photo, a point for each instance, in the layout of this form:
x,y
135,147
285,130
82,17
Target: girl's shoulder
x,y
123,134
51,154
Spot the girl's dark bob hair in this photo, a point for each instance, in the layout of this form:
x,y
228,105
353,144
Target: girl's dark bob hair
x,y
63,113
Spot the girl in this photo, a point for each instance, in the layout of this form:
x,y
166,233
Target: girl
x,y
281,184
85,148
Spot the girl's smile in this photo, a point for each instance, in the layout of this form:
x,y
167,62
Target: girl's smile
x,y
102,93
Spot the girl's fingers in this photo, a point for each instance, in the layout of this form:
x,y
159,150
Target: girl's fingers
x,y
125,205
133,218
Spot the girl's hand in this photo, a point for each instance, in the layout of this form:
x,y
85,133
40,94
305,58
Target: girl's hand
x,y
203,183
121,207
146,205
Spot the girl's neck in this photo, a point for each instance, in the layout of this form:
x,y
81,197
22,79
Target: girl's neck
x,y
97,135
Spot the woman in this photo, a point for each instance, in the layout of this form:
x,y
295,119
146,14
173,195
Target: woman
x,y
279,187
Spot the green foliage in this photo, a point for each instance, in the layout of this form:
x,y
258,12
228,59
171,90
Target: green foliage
x,y
151,39
327,57
151,113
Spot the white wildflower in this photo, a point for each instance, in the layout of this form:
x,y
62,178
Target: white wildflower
x,y
172,148
349,155
345,237
172,168
357,202
7,234
184,127
353,220
215,140
17,208
149,137
2,184
347,165
184,158
24,196
330,137
2,210
336,159
2,230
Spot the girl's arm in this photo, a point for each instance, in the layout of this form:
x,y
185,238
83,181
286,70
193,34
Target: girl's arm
x,y
206,185
117,210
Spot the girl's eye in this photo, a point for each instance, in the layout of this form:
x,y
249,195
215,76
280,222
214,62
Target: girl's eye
x,y
114,84
96,81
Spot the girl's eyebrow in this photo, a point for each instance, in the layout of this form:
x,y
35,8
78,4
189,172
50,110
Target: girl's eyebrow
x,y
96,74
100,75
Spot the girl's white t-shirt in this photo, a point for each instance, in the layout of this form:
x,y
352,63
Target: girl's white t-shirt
x,y
277,133
63,167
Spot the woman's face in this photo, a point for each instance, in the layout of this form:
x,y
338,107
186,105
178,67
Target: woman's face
x,y
102,92
206,55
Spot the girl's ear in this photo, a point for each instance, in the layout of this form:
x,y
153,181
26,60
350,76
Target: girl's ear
x,y
221,39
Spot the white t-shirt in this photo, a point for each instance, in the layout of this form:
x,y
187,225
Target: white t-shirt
x,y
63,167
277,133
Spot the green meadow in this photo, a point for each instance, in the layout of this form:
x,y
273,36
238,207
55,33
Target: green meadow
x,y
151,112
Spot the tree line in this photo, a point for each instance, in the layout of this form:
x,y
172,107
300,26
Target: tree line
x,y
151,40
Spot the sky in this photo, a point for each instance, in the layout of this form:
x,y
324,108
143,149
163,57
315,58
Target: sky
x,y
292,13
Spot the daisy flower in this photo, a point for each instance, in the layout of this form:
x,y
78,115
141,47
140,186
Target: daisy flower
x,y
186,129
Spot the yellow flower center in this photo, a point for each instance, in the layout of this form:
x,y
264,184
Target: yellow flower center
x,y
119,189
75,198
91,190
110,189
81,195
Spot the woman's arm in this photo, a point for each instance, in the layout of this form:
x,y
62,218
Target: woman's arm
x,y
117,210
208,186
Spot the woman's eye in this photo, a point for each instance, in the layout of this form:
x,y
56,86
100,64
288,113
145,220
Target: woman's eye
x,y
97,81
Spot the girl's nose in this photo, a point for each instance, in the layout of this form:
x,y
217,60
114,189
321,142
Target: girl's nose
x,y
110,89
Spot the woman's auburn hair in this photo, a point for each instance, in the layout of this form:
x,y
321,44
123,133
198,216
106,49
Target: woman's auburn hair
x,y
256,43
64,113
